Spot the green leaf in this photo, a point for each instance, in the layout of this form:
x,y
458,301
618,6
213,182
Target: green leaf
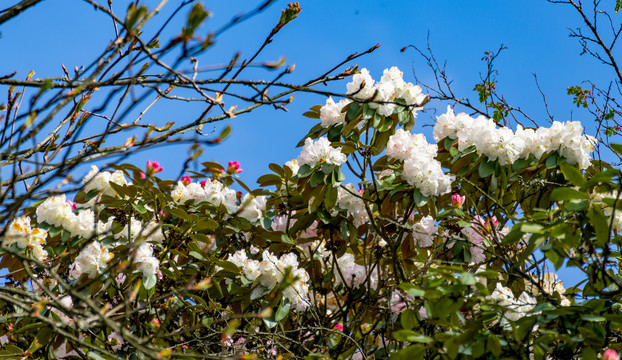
x,y
412,352
467,279
486,168
566,193
283,310
573,174
258,292
551,161
196,255
531,228
593,318
600,225
149,281
411,336
408,319
206,224
304,171
420,200
493,345
617,148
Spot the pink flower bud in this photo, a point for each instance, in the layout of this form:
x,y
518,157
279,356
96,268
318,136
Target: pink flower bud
x,y
153,167
234,167
494,222
72,204
203,183
186,180
611,355
361,191
156,322
457,200
339,327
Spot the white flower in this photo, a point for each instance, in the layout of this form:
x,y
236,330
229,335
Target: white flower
x,y
319,151
55,211
506,146
330,113
270,272
516,308
100,180
252,207
427,175
293,165
212,191
144,260
280,223
19,232
81,224
362,86
425,231
412,95
354,205
67,303
91,261
402,144
116,341
352,273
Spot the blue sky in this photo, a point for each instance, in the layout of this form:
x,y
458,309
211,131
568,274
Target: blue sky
x,y
535,32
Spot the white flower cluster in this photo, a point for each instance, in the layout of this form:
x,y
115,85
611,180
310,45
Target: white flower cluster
x,y
211,191
421,169
353,274
135,229
144,260
425,231
91,260
293,165
354,205
517,308
506,146
270,272
320,151
280,223
252,207
390,88
551,284
331,114
21,233
101,180
57,211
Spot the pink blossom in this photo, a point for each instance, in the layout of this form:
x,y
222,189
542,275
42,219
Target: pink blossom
x,y
611,355
153,167
203,183
120,279
494,221
186,180
226,340
234,167
156,322
457,200
339,327
72,204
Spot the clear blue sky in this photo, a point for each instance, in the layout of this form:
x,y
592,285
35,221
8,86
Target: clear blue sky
x,y
536,33
70,32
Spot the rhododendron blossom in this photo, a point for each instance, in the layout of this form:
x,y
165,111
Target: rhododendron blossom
x,y
320,151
